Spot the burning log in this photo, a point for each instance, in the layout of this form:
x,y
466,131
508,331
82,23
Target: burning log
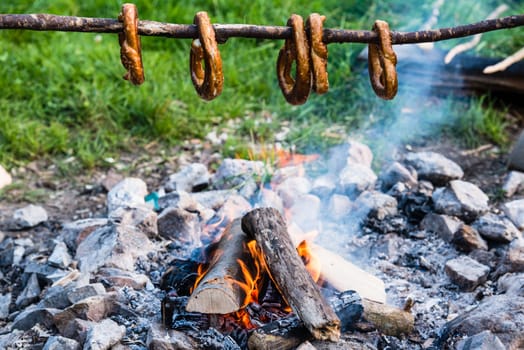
x,y
289,274
289,332
223,288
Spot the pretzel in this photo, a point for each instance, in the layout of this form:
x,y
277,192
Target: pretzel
x,y
208,81
318,52
130,51
296,91
381,63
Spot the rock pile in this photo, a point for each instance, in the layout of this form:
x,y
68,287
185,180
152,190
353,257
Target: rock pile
x,y
433,237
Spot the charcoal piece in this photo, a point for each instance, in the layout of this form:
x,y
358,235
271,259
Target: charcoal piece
x,y
180,277
175,316
415,205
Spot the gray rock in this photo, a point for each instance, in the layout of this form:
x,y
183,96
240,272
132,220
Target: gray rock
x,y
29,216
180,226
158,337
235,206
352,152
305,212
502,315
74,232
60,256
514,259
77,294
396,173
292,188
128,193
511,283
112,246
434,167
55,297
61,343
466,272
514,210
45,272
5,301
355,179
481,341
462,199
284,173
140,217
339,207
5,178
467,239
30,293
269,198
496,228
192,177
95,309
211,199
32,315
121,278
443,225
375,204
103,335
237,172
513,183
76,329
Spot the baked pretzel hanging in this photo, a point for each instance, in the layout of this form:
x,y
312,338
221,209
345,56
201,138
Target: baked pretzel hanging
x,y
296,91
130,50
318,52
382,62
208,81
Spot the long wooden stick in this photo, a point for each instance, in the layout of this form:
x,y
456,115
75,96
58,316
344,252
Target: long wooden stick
x,y
289,274
49,22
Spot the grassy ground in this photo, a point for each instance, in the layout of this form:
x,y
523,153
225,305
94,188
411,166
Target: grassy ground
x,y
63,95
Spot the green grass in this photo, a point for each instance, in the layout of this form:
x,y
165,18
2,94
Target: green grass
x,y
62,94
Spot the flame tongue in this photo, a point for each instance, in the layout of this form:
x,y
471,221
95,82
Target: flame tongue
x,y
313,265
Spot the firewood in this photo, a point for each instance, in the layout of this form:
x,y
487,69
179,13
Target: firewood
x,y
289,274
219,291
343,275
388,319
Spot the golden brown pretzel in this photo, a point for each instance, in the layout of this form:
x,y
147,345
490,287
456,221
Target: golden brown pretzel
x,y
382,63
130,51
296,91
208,81
319,52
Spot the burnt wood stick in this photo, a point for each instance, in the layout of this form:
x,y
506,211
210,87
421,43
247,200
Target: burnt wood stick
x,y
289,332
219,292
388,319
289,274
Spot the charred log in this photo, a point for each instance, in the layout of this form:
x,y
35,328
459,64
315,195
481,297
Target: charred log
x,y
289,274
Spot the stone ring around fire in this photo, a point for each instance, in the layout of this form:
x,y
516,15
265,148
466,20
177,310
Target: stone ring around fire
x,y
319,52
382,62
208,81
130,49
296,90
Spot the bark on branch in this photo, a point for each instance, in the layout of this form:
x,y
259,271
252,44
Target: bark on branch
x,y
49,22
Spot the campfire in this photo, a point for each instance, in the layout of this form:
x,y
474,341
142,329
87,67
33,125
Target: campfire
x,y
230,260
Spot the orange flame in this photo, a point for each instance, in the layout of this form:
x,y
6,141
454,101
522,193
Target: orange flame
x,y
313,265
286,158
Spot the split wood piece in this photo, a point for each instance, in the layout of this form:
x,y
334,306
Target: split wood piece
x,y
343,275
219,291
289,332
388,319
289,274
